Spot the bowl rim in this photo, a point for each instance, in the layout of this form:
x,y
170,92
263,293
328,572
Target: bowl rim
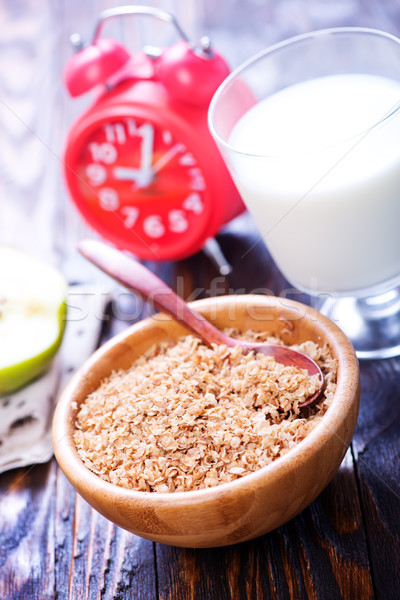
x,y
346,393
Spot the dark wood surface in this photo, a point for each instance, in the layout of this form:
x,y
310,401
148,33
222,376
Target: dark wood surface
x,y
52,544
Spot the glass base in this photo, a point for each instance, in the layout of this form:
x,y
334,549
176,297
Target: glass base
x,y
372,324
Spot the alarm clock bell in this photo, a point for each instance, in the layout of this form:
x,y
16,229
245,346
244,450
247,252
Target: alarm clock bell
x,y
140,163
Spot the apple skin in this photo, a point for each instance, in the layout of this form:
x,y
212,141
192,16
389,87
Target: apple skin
x,y
18,375
29,285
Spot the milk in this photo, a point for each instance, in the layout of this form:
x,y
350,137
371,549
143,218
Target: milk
x,y
322,180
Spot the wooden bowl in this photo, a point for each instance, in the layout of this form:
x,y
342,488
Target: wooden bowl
x,y
247,507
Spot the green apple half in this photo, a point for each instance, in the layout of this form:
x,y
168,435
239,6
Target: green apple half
x,y
32,317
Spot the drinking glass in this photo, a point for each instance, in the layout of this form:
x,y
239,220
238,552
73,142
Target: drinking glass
x,y
309,130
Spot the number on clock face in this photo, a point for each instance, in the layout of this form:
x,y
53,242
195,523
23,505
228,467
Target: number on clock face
x,y
141,183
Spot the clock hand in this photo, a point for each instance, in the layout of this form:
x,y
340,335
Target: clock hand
x,y
167,157
126,173
145,173
142,177
147,132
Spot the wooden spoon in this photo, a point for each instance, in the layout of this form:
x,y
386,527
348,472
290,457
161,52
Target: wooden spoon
x,y
137,278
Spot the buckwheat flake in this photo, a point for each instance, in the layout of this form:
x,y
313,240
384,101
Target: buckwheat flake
x,y
186,417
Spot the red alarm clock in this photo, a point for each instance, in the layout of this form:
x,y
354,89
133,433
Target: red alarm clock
x,y
140,163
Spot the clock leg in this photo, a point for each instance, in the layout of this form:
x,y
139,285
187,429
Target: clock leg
x,y
213,251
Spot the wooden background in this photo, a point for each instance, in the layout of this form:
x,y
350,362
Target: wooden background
x,y
52,544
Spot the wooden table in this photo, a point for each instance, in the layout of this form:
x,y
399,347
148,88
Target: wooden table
x,y
52,544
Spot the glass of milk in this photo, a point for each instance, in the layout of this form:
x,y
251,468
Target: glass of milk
x,y
310,131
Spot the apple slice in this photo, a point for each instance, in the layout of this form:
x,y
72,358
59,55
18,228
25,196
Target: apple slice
x,y
32,317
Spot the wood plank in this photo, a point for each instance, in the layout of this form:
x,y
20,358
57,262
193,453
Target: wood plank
x,y
94,558
27,536
377,452
28,208
321,553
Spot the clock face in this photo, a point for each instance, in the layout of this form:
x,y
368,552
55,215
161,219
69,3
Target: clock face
x,y
141,187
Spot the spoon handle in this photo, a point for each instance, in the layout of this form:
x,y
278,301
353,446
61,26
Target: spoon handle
x,y
137,278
